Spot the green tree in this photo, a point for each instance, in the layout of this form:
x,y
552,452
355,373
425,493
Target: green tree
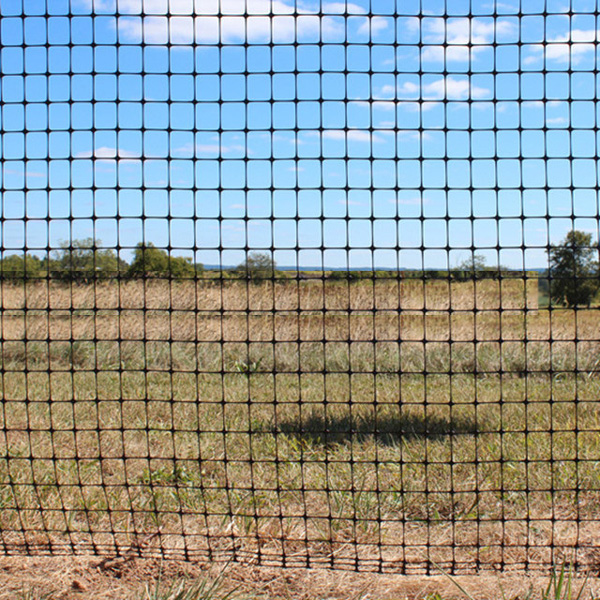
x,y
182,267
473,264
473,267
21,266
258,266
84,261
573,270
150,261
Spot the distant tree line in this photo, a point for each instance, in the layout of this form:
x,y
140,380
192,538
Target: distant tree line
x,y
573,277
84,261
456,274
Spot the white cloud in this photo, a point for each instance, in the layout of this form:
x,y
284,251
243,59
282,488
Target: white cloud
x,y
353,135
98,5
458,40
557,121
408,88
579,35
465,31
455,89
341,7
373,26
573,47
192,7
559,52
226,226
412,106
212,148
374,104
439,53
537,53
204,149
107,152
386,92
351,203
424,106
231,21
413,134
412,201
450,88
412,24
229,29
450,53
387,106
563,52
506,7
26,173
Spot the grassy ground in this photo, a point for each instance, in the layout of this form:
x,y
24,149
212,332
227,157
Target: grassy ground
x,y
379,424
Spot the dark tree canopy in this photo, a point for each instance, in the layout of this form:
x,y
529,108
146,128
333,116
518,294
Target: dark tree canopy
x,y
574,269
22,266
150,261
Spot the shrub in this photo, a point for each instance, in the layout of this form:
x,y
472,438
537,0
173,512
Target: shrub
x,y
258,266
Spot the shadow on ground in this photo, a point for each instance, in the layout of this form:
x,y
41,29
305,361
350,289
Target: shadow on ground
x,y
389,429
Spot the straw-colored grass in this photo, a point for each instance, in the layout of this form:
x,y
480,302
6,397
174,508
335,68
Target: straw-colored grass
x,y
373,423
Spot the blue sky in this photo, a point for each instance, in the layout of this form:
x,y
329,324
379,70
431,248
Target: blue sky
x,y
382,133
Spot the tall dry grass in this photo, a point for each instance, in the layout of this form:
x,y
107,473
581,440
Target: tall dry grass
x,y
373,423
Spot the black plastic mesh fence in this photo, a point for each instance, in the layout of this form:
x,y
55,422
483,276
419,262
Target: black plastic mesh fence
x,y
301,283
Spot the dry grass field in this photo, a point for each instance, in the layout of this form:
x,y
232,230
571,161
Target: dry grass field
x,y
380,424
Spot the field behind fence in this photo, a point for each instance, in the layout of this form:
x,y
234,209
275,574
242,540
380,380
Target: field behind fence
x,y
380,424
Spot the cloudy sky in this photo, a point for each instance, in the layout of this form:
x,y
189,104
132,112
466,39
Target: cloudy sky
x,y
355,133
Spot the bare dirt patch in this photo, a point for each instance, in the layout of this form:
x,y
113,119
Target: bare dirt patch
x,y
84,578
